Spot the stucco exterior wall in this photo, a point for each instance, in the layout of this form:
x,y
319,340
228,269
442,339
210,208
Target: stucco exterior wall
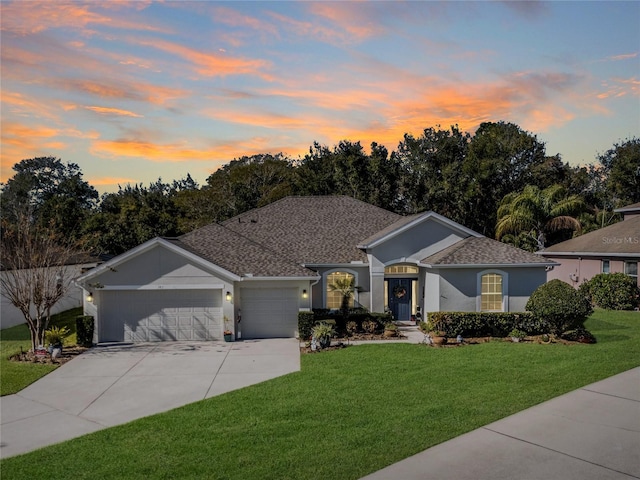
x,y
417,243
158,266
460,288
577,270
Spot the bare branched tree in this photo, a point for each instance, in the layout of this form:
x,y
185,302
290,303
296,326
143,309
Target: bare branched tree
x,y
35,275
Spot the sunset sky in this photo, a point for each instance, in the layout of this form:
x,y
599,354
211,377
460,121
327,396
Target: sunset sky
x,y
133,91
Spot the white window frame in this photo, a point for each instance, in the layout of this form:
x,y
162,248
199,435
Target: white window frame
x,y
606,266
626,269
505,290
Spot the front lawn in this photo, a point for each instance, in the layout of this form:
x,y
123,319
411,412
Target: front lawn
x,y
14,376
348,412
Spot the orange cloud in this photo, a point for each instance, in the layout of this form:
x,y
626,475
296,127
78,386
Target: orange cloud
x,y
113,111
102,181
212,64
24,18
124,90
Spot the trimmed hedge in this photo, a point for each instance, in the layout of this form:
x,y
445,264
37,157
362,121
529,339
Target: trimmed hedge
x,y
481,324
561,305
612,291
84,330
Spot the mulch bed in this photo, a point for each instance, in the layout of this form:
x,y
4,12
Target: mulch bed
x,y
68,353
340,343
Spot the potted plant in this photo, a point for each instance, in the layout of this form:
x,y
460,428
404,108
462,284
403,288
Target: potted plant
x,y
228,334
517,335
55,337
321,335
390,330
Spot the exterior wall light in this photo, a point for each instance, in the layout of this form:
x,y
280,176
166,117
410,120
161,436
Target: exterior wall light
x,y
90,297
305,294
228,296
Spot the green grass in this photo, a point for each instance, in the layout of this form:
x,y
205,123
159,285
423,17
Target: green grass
x,y
347,413
15,376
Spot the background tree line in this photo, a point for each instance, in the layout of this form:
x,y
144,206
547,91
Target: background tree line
x,y
499,182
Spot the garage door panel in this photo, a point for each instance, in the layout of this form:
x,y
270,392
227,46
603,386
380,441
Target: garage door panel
x,y
142,316
269,312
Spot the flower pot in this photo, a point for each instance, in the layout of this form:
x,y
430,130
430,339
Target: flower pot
x,y
228,337
438,340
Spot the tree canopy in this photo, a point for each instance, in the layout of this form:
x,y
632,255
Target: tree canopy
x,y
497,177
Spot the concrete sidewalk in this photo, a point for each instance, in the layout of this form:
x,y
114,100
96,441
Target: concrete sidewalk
x,y
113,384
590,433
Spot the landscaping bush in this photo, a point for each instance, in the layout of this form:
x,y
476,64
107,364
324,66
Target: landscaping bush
x,y
480,324
84,330
306,322
612,291
560,305
579,335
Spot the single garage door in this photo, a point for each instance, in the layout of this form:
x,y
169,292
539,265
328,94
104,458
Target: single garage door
x,y
160,315
269,312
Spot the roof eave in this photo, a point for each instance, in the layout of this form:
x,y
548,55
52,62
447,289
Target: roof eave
x,y
490,265
589,254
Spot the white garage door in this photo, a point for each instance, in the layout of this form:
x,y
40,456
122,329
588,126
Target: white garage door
x,y
269,312
167,315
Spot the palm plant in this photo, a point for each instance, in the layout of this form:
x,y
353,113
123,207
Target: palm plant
x,y
538,213
346,288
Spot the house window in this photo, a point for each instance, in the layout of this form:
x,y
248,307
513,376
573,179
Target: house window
x,y
491,293
337,285
606,267
395,269
631,269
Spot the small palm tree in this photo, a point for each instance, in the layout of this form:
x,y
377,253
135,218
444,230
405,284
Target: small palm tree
x,y
538,213
346,288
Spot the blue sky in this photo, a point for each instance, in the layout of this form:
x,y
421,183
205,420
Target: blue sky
x,y
133,91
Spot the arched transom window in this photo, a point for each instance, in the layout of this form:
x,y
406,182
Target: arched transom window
x,y
491,293
340,284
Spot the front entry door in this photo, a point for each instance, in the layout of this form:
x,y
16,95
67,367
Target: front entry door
x,y
399,300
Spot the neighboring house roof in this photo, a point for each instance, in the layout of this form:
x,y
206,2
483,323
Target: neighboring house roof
x,y
635,207
314,230
621,239
483,251
237,254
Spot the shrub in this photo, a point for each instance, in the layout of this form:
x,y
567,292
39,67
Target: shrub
x,y
306,322
352,328
369,326
84,330
560,305
612,291
579,335
516,333
479,324
323,333
55,335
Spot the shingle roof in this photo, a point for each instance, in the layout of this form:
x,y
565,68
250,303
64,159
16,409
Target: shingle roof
x,y
617,239
482,251
238,254
634,207
314,230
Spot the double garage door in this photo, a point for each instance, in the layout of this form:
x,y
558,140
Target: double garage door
x,y
160,315
269,312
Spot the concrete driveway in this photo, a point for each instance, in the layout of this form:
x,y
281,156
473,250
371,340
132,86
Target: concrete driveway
x,y
113,384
